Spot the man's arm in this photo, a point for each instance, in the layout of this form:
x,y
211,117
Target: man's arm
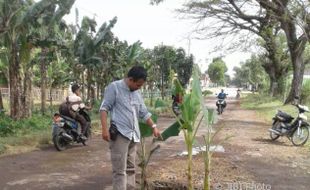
x,y
151,124
146,116
106,106
104,126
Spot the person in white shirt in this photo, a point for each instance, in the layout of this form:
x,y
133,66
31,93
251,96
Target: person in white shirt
x,y
75,104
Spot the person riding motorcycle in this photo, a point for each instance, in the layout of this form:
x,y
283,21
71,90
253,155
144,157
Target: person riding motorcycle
x,y
238,93
222,95
71,107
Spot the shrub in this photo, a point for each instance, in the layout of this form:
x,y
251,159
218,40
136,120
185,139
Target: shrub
x,y
207,92
9,127
305,92
2,148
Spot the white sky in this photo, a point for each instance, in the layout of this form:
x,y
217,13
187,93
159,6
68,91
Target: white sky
x,y
152,25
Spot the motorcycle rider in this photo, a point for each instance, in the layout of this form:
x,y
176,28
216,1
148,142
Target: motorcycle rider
x,y
222,95
238,93
72,106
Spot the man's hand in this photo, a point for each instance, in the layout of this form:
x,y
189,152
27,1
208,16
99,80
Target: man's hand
x,y
156,132
105,134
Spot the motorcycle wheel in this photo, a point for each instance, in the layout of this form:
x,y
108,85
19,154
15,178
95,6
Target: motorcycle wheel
x,y
300,136
273,135
220,109
59,142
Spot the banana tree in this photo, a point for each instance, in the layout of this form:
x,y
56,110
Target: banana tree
x,y
88,44
190,118
18,17
147,150
58,74
49,37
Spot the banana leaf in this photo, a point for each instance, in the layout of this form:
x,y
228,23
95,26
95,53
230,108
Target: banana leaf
x,y
145,130
172,130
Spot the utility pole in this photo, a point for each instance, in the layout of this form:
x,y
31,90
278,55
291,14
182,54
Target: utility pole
x,y
189,44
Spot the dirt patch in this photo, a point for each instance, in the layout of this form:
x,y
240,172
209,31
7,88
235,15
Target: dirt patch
x,y
250,160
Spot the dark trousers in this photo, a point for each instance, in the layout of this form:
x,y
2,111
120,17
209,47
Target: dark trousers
x,y
78,117
64,110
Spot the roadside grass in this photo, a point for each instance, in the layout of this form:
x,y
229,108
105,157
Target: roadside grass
x,y
36,132
266,107
160,107
23,143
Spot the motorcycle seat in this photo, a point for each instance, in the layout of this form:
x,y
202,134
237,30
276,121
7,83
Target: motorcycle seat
x,y
67,118
284,116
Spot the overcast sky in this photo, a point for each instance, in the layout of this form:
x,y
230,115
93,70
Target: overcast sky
x,y
152,25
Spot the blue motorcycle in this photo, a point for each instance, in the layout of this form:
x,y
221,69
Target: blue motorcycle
x,y
66,131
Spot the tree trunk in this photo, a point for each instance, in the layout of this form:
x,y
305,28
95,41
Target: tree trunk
x,y
51,97
272,87
275,67
98,91
15,81
27,94
277,85
89,84
162,85
43,80
1,102
296,43
296,48
83,86
298,74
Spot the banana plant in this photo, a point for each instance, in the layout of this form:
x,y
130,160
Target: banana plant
x,y
192,114
148,150
208,138
19,17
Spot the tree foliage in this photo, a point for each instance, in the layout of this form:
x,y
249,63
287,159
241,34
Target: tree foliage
x,y
267,19
217,70
39,49
250,72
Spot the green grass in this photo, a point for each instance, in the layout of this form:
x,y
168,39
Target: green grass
x,y
36,131
267,106
159,106
207,92
33,132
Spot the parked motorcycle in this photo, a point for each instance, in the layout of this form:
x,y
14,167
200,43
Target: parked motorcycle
x,y
297,131
66,131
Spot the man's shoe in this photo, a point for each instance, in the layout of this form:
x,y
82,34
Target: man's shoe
x,y
82,137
